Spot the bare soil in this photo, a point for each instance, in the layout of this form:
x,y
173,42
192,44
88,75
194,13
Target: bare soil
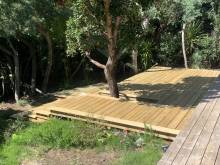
x,y
75,157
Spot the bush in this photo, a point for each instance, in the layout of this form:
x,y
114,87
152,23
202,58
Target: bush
x,y
170,50
205,55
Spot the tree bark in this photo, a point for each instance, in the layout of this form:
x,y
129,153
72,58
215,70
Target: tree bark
x,y
33,71
217,27
16,72
183,46
111,65
134,60
109,71
49,57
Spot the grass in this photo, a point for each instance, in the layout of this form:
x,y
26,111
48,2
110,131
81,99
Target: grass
x,y
31,140
148,156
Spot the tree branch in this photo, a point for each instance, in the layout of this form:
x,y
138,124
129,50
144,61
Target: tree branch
x,y
98,64
108,19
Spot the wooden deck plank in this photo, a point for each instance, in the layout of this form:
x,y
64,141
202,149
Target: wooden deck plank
x,y
196,154
189,103
173,150
126,109
185,119
180,149
212,148
217,161
191,139
164,117
143,113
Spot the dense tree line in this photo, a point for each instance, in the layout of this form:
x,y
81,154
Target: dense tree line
x,y
47,42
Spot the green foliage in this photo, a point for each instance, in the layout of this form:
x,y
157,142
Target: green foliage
x,y
191,9
204,55
146,55
193,33
85,27
170,49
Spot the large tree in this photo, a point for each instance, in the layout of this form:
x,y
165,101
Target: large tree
x,y
96,25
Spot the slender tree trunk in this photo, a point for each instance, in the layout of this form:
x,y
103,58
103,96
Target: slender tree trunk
x,y
217,27
16,72
183,46
17,79
49,57
33,71
134,60
3,85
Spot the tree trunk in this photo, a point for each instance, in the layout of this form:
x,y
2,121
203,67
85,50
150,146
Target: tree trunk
x,y
217,27
110,71
111,65
3,85
134,60
17,79
49,57
16,72
33,71
111,36
183,46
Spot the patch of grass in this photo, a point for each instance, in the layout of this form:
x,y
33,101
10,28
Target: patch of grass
x,y
23,102
34,139
149,156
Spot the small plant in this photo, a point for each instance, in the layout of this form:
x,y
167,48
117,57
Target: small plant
x,y
23,102
15,126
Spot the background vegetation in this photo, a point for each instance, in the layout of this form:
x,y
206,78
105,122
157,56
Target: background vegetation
x,y
53,43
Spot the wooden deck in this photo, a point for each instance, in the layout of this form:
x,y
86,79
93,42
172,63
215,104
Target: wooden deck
x,y
199,142
160,98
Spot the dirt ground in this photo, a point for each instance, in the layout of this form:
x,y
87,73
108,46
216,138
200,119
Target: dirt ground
x,y
75,157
